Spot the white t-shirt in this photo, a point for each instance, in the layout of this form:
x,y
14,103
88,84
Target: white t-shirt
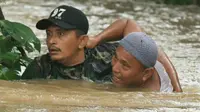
x,y
165,81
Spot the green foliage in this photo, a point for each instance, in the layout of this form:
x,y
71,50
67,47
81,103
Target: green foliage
x,y
15,40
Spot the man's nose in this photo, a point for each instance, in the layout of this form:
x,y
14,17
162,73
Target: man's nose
x,y
116,67
52,39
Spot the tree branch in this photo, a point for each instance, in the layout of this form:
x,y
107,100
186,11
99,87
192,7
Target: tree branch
x,y
1,15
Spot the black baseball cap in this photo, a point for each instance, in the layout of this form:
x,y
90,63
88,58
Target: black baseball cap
x,y
66,17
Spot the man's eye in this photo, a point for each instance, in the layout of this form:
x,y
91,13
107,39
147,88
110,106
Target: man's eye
x,y
48,34
60,33
124,65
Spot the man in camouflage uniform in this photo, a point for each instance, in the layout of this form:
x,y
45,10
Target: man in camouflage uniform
x,y
95,63
96,67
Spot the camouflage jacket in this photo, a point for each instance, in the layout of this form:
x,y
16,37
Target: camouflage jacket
x,y
96,67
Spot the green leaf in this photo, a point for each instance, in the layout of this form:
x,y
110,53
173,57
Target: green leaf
x,y
24,61
21,33
8,74
15,38
5,45
9,59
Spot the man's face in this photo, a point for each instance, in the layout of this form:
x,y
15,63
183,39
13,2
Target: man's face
x,y
62,44
127,71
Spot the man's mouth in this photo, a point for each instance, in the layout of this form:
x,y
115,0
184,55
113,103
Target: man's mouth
x,y
53,50
116,79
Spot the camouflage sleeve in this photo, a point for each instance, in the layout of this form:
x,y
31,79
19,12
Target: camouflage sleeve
x,y
100,69
106,51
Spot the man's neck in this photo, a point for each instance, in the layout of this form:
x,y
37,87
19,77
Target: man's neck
x,y
76,59
153,83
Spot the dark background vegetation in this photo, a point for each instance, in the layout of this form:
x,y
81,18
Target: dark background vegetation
x,y
179,2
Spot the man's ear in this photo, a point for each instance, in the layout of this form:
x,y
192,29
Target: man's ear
x,y
148,73
83,41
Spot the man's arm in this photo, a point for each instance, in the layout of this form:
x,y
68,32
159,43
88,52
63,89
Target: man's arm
x,y
163,58
122,27
116,31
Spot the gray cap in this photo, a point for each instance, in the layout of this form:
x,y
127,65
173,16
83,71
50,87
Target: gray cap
x,y
142,47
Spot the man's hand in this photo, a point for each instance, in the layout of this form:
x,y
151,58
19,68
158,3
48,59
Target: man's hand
x,y
92,42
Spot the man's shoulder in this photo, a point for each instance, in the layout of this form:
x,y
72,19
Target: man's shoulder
x,y
98,62
43,59
37,67
105,51
43,62
108,46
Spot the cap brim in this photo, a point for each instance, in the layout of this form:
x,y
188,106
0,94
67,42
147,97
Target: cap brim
x,y
45,23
